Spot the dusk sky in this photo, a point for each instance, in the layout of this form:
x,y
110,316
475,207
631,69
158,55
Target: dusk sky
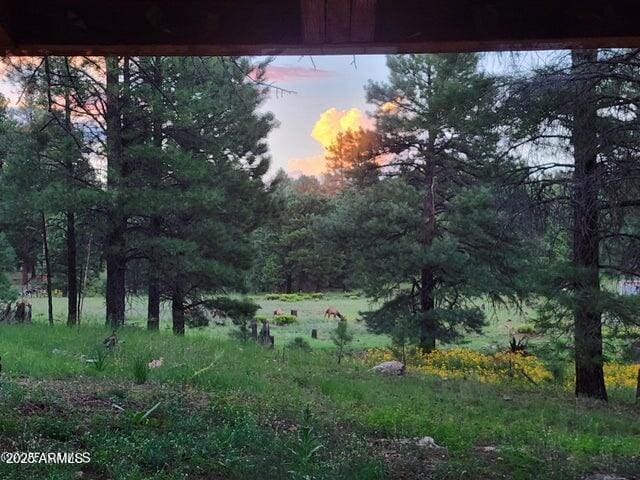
x,y
329,98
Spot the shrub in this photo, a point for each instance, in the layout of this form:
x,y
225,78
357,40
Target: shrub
x,y
140,369
240,311
294,297
285,319
300,344
524,329
198,317
341,337
463,363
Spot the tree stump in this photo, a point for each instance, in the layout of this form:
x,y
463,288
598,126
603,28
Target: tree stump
x,y
22,313
294,313
265,336
314,334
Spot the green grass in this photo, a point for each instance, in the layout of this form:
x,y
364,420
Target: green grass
x,y
501,323
232,410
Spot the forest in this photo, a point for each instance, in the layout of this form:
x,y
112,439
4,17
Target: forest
x,y
458,292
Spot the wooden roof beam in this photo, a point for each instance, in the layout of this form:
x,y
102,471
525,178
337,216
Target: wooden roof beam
x,y
271,27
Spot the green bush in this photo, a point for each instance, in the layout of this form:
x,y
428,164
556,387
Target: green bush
x,y
285,319
300,343
198,317
526,329
294,297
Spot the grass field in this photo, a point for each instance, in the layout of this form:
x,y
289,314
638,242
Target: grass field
x,y
230,410
501,322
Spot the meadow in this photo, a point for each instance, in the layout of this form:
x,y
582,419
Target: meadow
x,y
215,408
502,323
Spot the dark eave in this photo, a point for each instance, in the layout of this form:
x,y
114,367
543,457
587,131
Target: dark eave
x,y
258,27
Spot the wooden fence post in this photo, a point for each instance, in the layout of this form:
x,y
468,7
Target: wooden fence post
x,y
314,334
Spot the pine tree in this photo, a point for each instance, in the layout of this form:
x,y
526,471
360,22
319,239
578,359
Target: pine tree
x,y
50,159
433,241
579,114
204,163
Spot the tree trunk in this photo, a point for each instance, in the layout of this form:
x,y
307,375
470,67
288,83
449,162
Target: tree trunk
x,y
586,245
72,273
83,283
153,307
289,283
72,267
47,263
115,248
177,313
427,275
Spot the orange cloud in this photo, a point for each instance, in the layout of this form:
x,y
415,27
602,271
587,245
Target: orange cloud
x,y
330,123
334,121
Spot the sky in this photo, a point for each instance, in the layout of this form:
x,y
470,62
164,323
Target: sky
x,y
318,97
329,97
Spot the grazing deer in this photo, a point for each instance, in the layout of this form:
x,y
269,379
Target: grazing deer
x,y
277,312
333,312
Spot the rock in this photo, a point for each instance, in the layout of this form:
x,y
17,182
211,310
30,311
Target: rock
x,y
392,367
157,363
488,448
427,442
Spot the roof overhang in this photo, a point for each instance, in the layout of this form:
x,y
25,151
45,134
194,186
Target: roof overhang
x,y
275,27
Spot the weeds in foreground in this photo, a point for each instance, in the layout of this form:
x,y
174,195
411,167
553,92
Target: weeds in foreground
x,y
144,418
140,369
307,446
100,359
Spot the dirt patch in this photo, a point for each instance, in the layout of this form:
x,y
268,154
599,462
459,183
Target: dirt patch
x,y
408,462
38,407
90,395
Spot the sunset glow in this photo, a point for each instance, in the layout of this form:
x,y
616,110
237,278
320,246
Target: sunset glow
x,y
325,131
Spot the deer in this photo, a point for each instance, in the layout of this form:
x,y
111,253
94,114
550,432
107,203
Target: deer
x,y
333,312
277,312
